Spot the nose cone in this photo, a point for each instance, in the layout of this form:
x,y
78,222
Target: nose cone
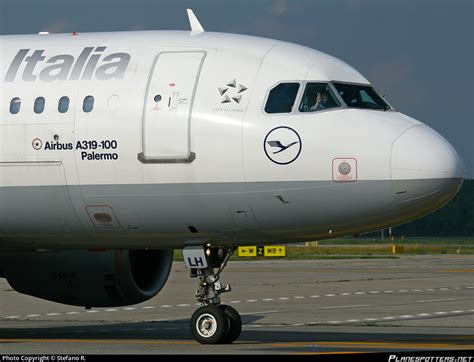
x,y
426,170
421,153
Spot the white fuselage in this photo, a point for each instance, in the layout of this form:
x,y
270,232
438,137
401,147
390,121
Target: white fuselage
x,y
174,150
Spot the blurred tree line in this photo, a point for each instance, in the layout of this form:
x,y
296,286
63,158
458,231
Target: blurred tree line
x,y
454,219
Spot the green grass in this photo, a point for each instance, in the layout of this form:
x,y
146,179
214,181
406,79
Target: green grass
x,y
178,256
327,256
368,249
380,249
467,241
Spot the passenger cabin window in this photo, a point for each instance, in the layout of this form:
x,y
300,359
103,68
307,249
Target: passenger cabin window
x,y
63,104
39,105
282,98
361,96
15,104
318,97
88,104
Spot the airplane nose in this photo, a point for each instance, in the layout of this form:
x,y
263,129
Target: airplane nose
x,y
426,170
420,152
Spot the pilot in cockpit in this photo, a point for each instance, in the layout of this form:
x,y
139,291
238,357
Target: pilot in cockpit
x,y
349,96
319,102
318,97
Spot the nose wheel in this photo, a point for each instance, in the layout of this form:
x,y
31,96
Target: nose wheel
x,y
209,325
213,323
235,323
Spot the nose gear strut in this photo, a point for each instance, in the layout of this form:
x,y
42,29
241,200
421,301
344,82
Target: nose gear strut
x,y
209,287
212,323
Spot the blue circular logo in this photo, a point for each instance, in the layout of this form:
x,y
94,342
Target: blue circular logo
x,y
282,145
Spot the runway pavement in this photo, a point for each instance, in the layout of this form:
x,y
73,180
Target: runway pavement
x,y
299,306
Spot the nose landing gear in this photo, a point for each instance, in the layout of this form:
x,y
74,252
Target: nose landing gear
x,y
214,322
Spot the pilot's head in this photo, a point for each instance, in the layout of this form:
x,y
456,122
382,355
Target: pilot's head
x,y
321,97
349,96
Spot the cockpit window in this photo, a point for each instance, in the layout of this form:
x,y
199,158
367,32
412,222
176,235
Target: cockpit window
x,y
318,97
282,98
361,96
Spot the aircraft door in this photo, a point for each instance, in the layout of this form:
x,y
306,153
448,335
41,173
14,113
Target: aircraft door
x,y
168,107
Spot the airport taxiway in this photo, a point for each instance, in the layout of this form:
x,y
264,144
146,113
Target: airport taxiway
x,y
287,306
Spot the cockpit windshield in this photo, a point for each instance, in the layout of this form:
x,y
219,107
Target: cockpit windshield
x,y
361,96
318,97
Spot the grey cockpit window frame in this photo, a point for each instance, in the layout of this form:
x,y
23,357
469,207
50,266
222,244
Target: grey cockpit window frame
x,y
293,110
339,97
334,93
299,97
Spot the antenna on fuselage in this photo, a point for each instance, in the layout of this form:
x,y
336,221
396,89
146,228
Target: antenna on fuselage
x,y
196,27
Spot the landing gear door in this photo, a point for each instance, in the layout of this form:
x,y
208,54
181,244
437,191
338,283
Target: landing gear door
x,y
168,107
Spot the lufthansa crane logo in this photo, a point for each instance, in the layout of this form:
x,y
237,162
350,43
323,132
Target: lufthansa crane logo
x,y
282,145
232,92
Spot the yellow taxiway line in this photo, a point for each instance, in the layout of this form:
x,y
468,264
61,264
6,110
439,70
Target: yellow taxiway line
x,y
342,344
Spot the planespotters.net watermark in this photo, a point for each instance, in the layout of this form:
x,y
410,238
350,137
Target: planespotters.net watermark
x,y
398,358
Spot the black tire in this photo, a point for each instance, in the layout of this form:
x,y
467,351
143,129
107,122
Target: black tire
x,y
235,324
209,325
